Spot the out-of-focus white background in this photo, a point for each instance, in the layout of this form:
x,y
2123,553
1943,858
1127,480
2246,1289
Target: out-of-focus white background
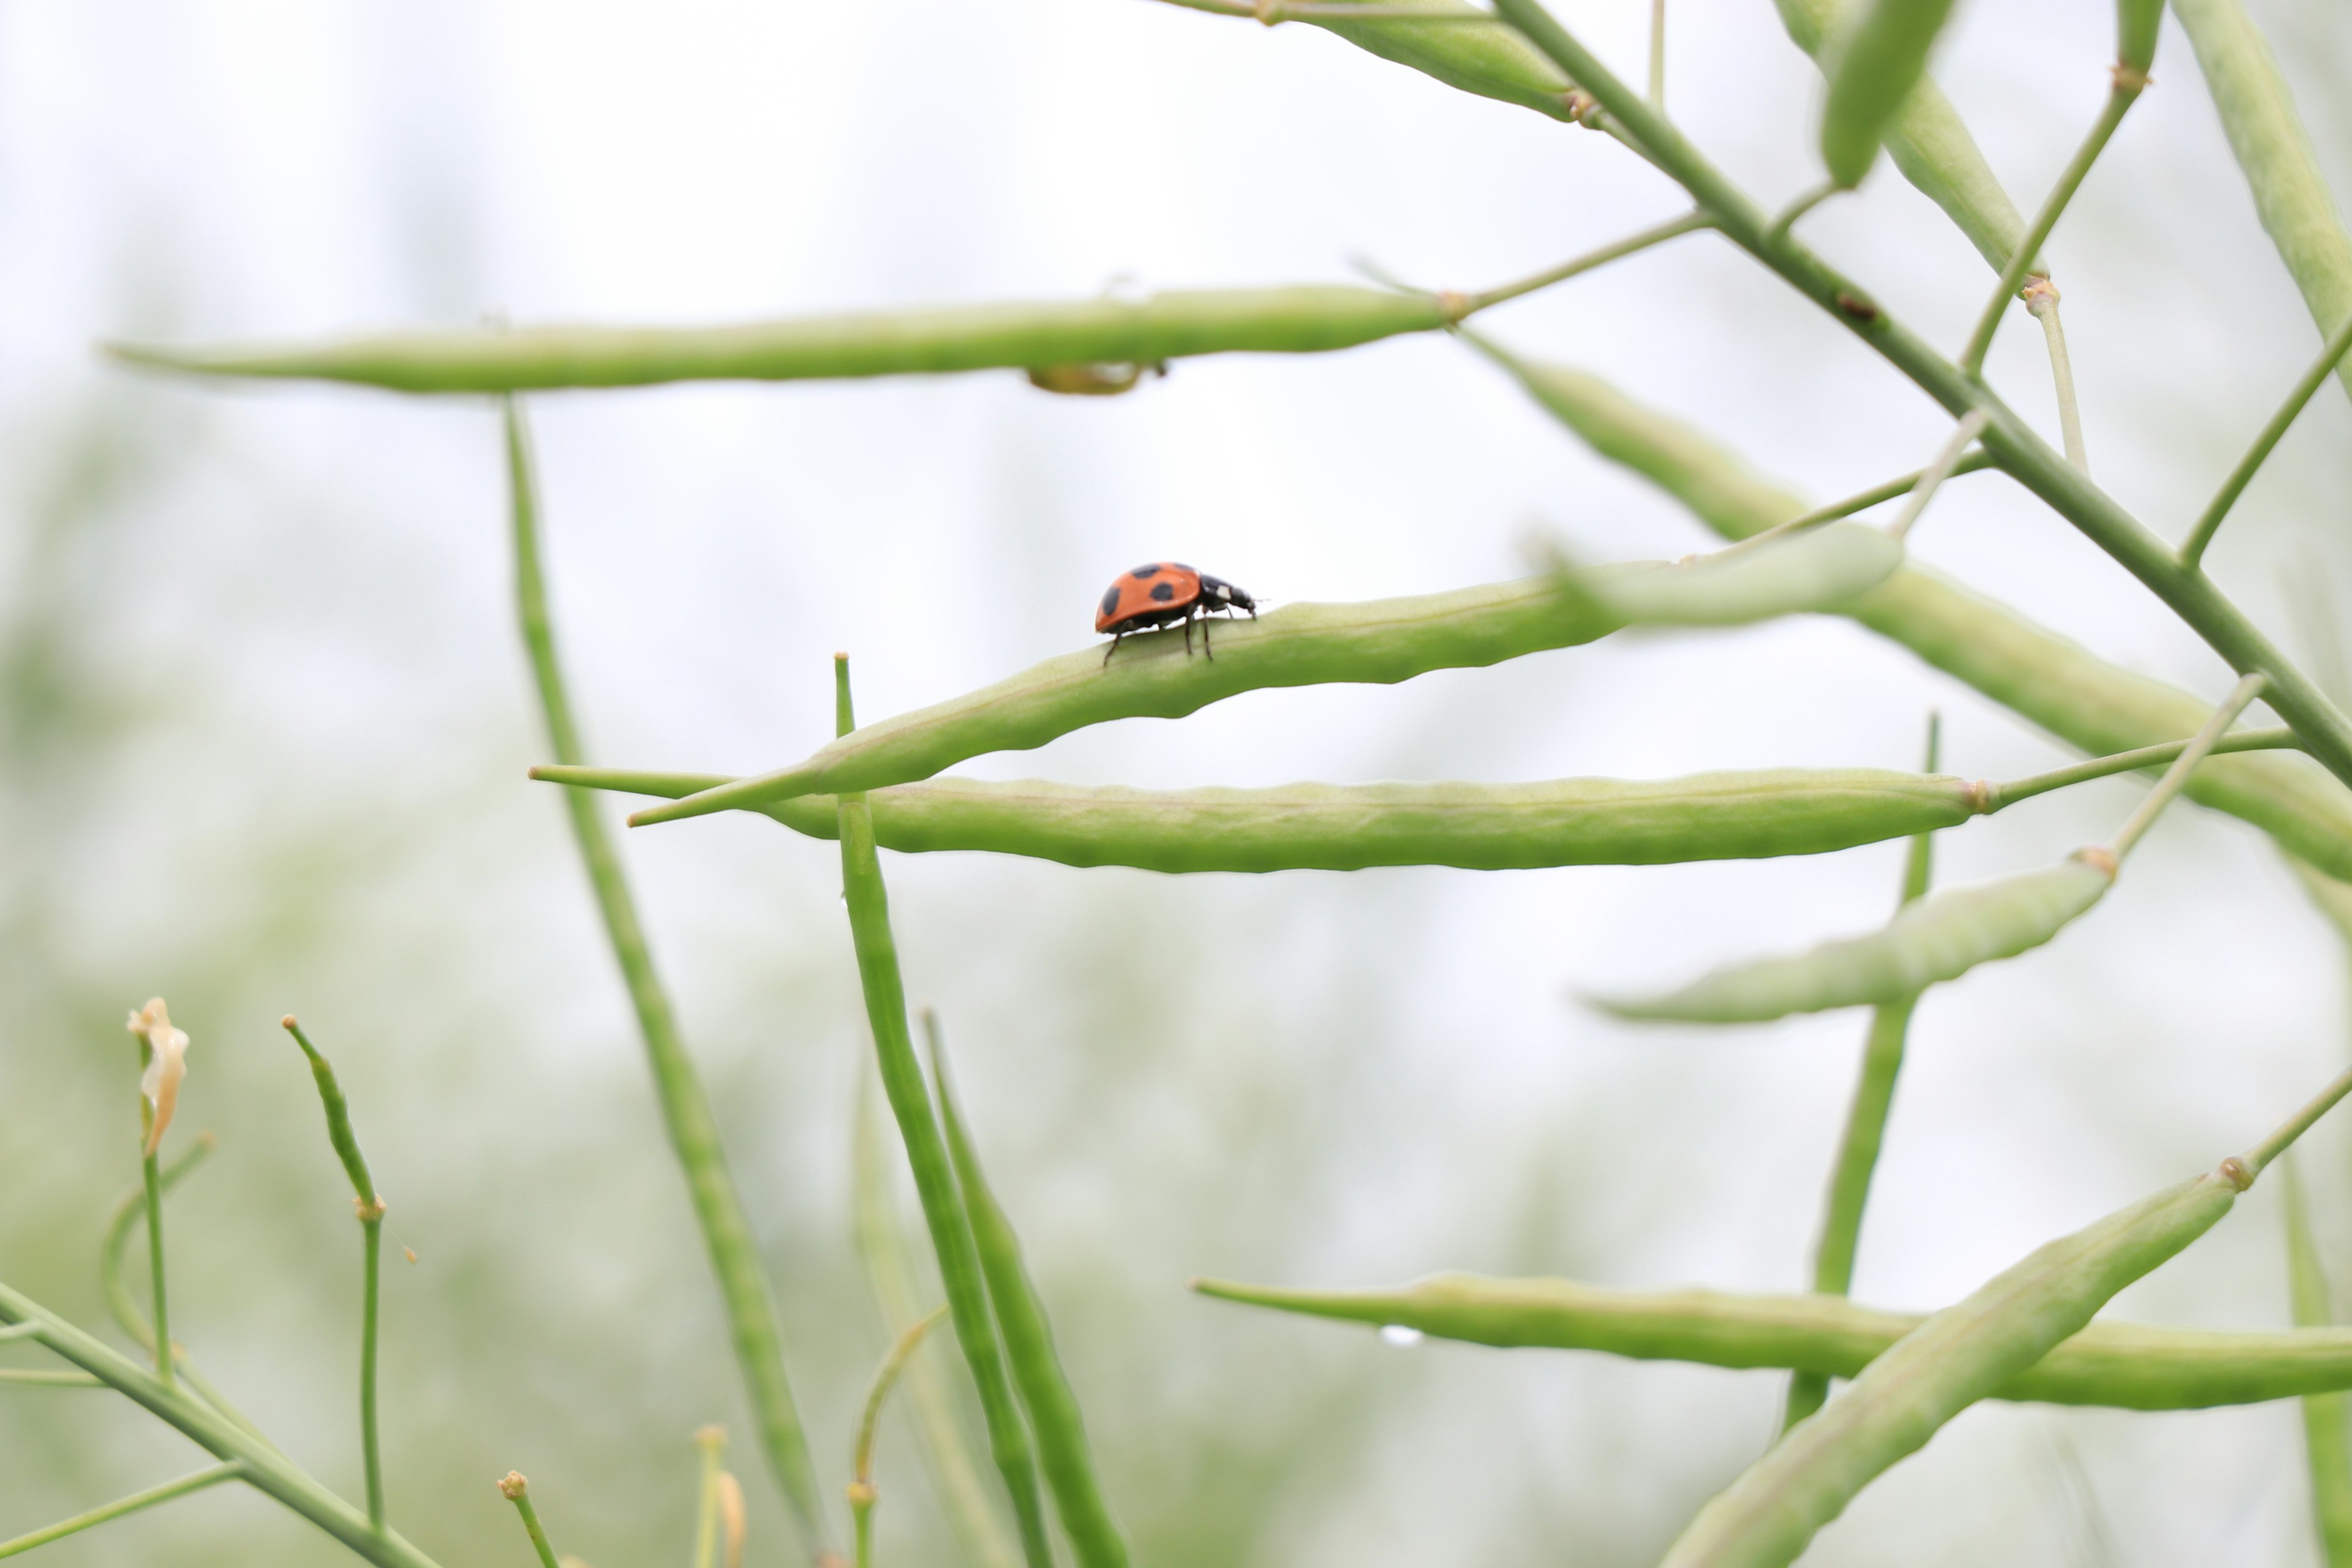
x,y
266,725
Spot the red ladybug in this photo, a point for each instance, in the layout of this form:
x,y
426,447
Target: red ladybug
x,y
1162,593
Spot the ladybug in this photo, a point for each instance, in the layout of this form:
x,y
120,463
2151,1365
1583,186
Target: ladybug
x,y
1162,594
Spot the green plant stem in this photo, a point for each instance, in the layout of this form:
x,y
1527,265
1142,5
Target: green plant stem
x,y
2278,738
518,1493
1630,245
1877,494
196,1482
151,1178
2325,1446
2326,734
2042,304
862,1493
2208,522
926,1156
2258,1159
2125,92
267,1471
370,1207
2177,775
1866,1125
684,1105
42,1377
1932,478
713,1444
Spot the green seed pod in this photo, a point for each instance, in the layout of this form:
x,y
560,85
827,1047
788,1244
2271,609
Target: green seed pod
x,y
2048,679
1335,827
1939,937
1307,319
1878,54
2137,22
1817,569
1491,61
2129,1366
1159,675
1768,1515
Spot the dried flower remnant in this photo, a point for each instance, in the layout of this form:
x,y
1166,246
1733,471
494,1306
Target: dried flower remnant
x,y
167,1064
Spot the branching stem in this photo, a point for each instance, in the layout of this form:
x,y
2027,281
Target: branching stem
x,y
2193,553
2128,86
1932,476
210,1477
2241,695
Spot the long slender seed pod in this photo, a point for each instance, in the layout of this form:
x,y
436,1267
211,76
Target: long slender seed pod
x,y
1307,319
1766,1518
268,1471
1866,1125
1062,1448
1380,642
2328,1445
211,1476
926,1156
752,1323
2325,731
1490,61
2045,679
1348,827
370,1208
2126,1367
1876,58
1939,939
948,1453
2265,131
1930,146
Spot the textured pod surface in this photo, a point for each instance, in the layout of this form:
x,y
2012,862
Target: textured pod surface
x,y
1817,569
2133,1366
1939,937
1490,61
2046,678
1874,60
1347,827
1305,320
1961,1354
1930,145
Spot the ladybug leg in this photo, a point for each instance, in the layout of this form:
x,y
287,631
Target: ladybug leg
x,y
1204,635
1188,634
1116,639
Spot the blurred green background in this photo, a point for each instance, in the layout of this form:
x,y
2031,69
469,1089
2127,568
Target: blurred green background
x,y
263,729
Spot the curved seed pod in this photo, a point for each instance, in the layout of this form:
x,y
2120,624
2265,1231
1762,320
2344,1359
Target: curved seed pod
x,y
1490,61
1939,937
1766,1518
1878,54
2048,679
1817,569
1930,146
1307,319
2130,1367
1348,827
1380,642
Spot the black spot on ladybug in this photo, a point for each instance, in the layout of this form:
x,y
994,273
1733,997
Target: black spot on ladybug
x,y
1856,306
1110,600
1163,591
1142,572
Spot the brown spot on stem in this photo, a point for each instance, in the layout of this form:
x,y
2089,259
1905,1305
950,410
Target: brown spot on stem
x,y
2237,1173
1861,307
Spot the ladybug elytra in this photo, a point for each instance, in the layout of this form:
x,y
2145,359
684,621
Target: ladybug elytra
x,y
1162,594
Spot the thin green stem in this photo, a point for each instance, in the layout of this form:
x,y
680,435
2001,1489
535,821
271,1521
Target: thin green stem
x,y
266,1470
2014,446
684,1105
1801,206
2210,522
2325,1447
153,1178
944,1214
370,1207
517,1490
712,1441
2042,304
42,1377
2127,88
1932,476
2258,1158
210,1477
1865,1123
2274,739
1616,250
20,1331
2196,752
862,1492
1864,500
